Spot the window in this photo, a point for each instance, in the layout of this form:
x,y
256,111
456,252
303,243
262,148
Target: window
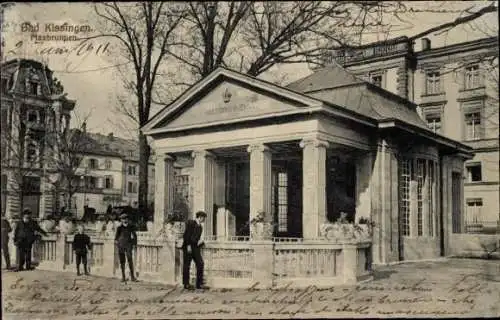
x,y
433,82
405,177
434,123
5,85
131,153
4,194
32,116
420,197
182,186
32,152
33,88
4,133
376,79
474,172
474,207
280,200
93,164
132,187
107,164
472,79
430,197
108,182
131,170
473,126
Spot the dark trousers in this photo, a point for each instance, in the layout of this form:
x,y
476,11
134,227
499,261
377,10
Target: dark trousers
x,y
5,251
81,258
186,266
126,253
24,255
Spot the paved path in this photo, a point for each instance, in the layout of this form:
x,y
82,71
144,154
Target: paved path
x,y
455,287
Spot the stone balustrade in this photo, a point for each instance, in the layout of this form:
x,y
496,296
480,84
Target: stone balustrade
x,y
233,263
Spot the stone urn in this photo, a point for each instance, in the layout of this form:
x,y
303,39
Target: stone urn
x,y
99,226
262,231
338,232
66,226
48,225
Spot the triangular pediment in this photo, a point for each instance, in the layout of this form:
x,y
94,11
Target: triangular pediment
x,y
228,97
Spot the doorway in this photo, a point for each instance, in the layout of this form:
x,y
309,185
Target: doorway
x,y
31,195
238,195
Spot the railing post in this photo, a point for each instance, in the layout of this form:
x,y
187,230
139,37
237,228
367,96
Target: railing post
x,y
168,264
60,252
350,260
108,264
263,263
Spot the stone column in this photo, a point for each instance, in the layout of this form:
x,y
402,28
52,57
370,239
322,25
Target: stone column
x,y
164,190
204,184
314,186
260,181
220,197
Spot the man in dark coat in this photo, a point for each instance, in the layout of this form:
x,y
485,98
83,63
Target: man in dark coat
x,y
126,241
24,237
6,229
81,246
191,247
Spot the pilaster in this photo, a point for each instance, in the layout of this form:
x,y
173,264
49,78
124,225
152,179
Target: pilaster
x,y
384,203
314,186
260,181
204,185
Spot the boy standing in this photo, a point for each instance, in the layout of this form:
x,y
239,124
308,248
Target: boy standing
x,y
126,241
81,245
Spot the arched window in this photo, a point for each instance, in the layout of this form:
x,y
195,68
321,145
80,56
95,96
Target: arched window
x,y
33,116
93,164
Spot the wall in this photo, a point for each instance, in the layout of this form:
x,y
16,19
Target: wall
x,y
389,67
474,245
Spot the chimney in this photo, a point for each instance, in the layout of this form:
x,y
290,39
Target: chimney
x,y
110,136
84,127
426,44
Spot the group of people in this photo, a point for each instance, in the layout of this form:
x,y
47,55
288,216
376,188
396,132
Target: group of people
x,y
27,231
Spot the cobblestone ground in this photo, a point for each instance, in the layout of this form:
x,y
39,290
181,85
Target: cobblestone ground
x,y
454,287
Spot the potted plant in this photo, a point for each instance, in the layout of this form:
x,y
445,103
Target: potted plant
x,y
175,224
260,228
366,225
149,225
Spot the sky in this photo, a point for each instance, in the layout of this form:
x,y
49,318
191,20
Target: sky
x,y
89,76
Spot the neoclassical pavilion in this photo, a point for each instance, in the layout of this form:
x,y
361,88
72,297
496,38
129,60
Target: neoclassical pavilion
x,y
325,144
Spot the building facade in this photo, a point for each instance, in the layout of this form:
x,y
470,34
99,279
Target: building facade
x,y
456,90
109,174
34,111
304,154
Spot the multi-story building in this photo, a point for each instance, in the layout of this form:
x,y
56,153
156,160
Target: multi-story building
x,y
456,89
109,174
34,111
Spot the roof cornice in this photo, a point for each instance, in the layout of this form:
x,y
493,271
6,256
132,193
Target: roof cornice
x,y
484,43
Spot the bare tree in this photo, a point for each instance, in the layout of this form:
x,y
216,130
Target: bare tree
x,y
22,144
66,150
254,36
144,32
